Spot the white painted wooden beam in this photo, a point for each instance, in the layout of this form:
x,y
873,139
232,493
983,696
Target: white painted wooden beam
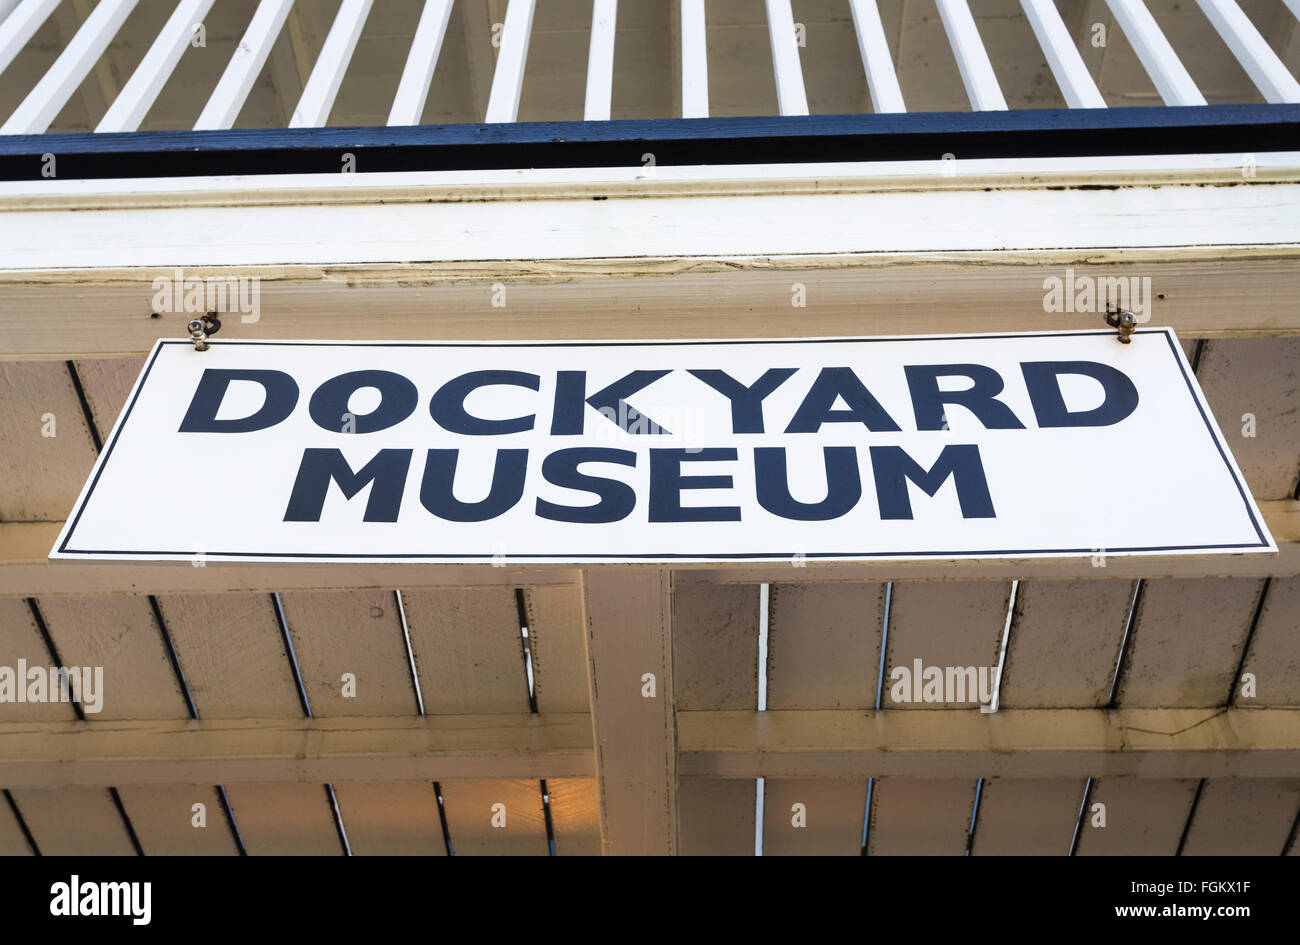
x,y
1265,69
1014,743
630,676
882,81
313,110
20,26
943,743
600,61
508,78
413,90
141,90
972,58
695,60
790,95
1162,64
1062,55
7,7
246,62
79,56
319,750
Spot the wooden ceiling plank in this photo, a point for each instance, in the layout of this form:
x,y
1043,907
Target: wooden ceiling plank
x,y
949,624
1065,642
557,632
391,819
1024,817
121,635
813,817
74,821
20,639
107,383
920,816
12,840
715,816
45,441
232,652
1142,817
823,647
1274,654
629,658
163,817
715,646
1253,387
1243,818
1187,642
343,638
575,815
284,819
468,650
495,818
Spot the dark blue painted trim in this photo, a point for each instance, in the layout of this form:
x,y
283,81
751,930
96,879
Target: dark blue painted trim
x,y
677,141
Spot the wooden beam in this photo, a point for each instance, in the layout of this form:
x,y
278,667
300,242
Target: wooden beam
x,y
244,751
25,570
1154,744
629,654
1016,743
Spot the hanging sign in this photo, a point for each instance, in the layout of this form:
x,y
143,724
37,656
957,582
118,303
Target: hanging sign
x,y
973,446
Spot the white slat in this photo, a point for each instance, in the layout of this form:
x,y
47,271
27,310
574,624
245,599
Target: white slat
x,y
1265,69
600,61
1062,55
245,65
508,79
695,61
413,90
1158,58
7,7
790,94
1294,7
972,58
141,90
322,87
20,26
49,96
882,81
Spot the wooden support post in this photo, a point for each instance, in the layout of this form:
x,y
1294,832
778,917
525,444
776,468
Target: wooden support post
x,y
629,664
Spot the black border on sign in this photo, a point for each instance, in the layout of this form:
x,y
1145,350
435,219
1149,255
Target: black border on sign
x,y
764,555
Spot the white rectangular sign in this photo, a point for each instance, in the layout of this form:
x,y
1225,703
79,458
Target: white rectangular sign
x,y
974,446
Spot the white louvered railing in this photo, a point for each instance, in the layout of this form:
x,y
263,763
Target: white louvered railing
x,y
49,92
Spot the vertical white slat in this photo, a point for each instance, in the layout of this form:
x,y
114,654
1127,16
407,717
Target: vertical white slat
x,y
695,61
141,90
322,87
47,99
508,79
600,61
245,65
972,58
882,81
20,25
1062,55
413,90
1265,69
790,94
1162,64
